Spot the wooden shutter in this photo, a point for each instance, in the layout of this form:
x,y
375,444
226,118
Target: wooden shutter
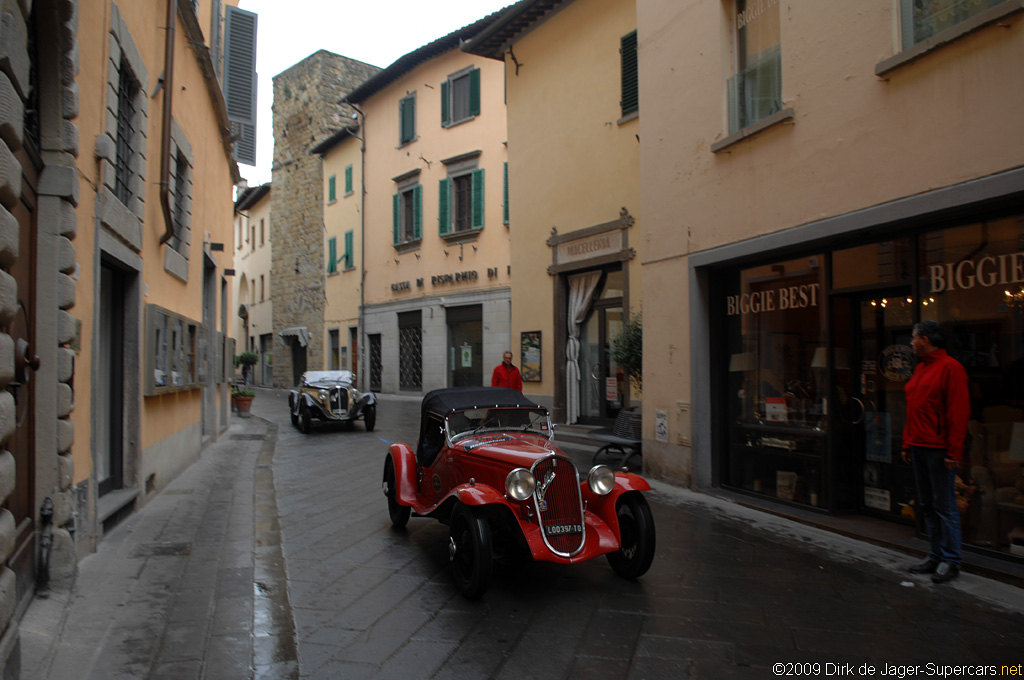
x,y
444,220
332,188
474,92
240,76
417,212
408,119
396,202
348,180
445,104
478,199
332,255
349,256
505,204
630,78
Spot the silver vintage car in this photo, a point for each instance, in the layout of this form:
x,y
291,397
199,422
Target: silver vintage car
x,y
330,396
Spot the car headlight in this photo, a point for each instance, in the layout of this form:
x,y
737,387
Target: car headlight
x,y
601,479
520,484
323,395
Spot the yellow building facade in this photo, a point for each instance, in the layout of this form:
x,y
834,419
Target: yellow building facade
x,y
574,196
805,204
114,289
437,280
343,243
252,286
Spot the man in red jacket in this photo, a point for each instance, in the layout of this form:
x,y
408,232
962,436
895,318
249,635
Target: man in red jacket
x,y
507,375
938,408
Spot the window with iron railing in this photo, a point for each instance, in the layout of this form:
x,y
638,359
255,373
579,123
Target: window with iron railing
x,y
755,90
127,89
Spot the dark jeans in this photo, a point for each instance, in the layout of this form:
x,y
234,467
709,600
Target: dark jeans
x,y
936,493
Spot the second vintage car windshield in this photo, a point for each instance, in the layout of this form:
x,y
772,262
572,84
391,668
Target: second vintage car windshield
x,y
462,424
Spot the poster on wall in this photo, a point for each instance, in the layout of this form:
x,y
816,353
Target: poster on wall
x,y
530,346
877,437
879,499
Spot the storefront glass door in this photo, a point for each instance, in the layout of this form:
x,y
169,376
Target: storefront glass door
x,y
602,382
873,361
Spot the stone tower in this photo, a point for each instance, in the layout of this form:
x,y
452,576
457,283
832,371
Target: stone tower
x,y
306,110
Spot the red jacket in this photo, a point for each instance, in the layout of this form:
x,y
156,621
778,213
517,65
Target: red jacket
x,y
507,377
938,405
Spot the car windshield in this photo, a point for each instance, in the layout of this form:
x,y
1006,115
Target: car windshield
x,y
462,424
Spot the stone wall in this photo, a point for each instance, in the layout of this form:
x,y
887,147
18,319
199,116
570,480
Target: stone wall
x,y
42,453
305,112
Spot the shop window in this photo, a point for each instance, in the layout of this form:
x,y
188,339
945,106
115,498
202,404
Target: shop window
x,y
776,390
755,91
885,262
971,280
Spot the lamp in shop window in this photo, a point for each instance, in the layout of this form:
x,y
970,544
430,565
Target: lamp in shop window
x,y
743,362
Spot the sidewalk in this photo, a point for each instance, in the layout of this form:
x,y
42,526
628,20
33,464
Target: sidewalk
x,y
190,586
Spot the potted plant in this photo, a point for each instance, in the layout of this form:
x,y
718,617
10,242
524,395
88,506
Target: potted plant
x,y
627,349
246,360
241,399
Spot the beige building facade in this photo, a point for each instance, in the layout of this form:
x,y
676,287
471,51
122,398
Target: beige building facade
x,y
574,196
114,290
252,285
437,277
343,243
817,177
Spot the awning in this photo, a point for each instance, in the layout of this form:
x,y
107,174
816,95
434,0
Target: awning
x,y
301,333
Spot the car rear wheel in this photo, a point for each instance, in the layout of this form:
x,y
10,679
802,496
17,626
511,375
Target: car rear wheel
x,y
370,418
399,513
636,537
471,551
305,419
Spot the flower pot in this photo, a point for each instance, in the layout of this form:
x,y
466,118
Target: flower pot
x,y
242,405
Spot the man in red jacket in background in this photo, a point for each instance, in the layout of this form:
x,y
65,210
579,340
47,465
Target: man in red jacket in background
x,y
507,375
938,408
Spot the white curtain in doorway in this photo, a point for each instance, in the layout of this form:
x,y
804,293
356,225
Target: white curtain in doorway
x,y
581,292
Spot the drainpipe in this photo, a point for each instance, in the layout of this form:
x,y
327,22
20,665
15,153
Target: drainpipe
x,y
165,135
364,369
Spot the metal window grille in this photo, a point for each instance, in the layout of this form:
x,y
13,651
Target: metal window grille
x,y
178,241
31,117
376,369
410,357
127,89
463,201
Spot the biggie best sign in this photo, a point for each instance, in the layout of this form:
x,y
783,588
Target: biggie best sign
x,y
988,271
773,299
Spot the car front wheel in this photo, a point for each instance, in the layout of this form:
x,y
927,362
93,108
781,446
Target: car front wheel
x,y
470,551
305,419
636,537
399,513
370,418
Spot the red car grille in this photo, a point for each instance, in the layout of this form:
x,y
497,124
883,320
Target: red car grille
x,y
559,505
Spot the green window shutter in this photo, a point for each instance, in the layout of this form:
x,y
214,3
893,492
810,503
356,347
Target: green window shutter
x,y
417,212
444,220
505,204
474,92
396,202
349,255
630,78
478,199
445,115
332,255
348,180
408,119
332,188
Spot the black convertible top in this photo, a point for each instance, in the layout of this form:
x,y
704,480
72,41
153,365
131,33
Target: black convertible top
x,y
450,399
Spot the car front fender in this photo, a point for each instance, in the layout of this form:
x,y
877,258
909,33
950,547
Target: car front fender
x,y
405,473
478,494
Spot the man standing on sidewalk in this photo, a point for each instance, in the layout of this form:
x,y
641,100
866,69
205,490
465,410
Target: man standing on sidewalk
x,y
507,375
938,408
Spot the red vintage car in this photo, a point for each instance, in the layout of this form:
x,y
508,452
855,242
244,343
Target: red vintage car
x,y
487,466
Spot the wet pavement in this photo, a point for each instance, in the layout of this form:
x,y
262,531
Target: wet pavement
x,y
273,557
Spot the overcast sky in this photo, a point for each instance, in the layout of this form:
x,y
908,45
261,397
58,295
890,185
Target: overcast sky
x,y
373,31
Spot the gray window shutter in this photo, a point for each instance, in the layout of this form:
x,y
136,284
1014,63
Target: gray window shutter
x,y
444,221
240,78
215,46
474,92
445,105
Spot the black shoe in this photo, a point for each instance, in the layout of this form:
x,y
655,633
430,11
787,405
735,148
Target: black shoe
x,y
926,567
945,572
